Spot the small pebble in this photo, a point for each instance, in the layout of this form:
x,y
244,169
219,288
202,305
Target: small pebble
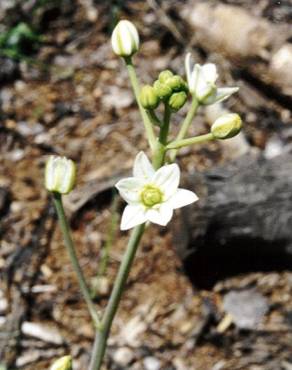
x,y
151,363
123,356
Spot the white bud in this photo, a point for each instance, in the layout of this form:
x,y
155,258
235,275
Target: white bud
x,y
226,126
125,39
63,363
60,175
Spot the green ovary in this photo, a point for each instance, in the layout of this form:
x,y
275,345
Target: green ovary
x,y
151,195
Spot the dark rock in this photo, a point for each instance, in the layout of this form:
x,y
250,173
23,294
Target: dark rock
x,y
242,221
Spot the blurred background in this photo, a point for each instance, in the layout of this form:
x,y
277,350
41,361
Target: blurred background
x,y
211,291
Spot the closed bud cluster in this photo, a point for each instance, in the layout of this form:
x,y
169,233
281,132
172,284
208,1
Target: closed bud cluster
x,y
125,39
148,97
63,363
226,126
60,175
169,88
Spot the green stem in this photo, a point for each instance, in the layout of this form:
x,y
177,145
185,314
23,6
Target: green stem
x,y
159,156
165,127
73,257
192,140
135,85
103,331
153,118
111,309
185,125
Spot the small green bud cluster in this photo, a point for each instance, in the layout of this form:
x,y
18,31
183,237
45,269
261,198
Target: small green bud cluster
x,y
169,88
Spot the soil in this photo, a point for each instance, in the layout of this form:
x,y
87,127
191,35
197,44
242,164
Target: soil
x,y
76,101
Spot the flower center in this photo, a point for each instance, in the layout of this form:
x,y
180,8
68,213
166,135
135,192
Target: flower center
x,y
151,195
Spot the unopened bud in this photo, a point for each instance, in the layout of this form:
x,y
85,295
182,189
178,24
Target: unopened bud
x,y
226,126
176,83
162,90
60,175
177,100
64,363
125,39
164,75
148,97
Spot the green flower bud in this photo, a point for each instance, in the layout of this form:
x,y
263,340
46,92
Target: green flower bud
x,y
164,75
177,100
176,83
64,363
226,126
148,97
125,39
60,175
162,90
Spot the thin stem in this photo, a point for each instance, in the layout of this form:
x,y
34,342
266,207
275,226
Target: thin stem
x,y
165,127
135,85
192,140
159,156
153,118
160,149
73,257
186,124
103,331
111,309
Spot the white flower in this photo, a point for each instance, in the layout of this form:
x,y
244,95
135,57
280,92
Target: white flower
x,y
152,195
202,83
125,39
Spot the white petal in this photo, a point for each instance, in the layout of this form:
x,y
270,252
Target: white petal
x,y
182,198
205,91
130,188
142,167
204,87
209,71
133,215
188,67
221,94
161,215
194,78
167,179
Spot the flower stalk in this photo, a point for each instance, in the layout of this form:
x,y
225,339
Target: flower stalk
x,y
177,144
73,257
165,127
102,333
135,85
186,125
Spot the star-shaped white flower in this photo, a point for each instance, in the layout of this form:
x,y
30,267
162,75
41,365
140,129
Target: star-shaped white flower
x,y
152,195
202,83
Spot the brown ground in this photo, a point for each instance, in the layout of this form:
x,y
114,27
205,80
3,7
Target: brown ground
x,y
81,106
